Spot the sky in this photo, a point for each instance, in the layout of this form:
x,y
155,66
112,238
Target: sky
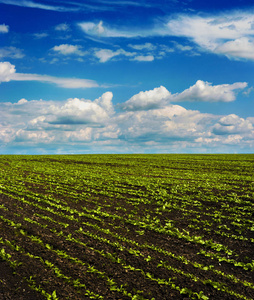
x,y
124,76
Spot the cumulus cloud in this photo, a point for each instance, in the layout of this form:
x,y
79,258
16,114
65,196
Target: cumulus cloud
x,y
251,119
201,91
155,125
35,137
22,101
147,100
8,73
105,101
79,111
52,116
232,124
169,124
6,133
238,48
81,135
66,49
204,91
4,28
31,120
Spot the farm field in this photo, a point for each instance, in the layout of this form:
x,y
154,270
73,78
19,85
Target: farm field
x,y
161,226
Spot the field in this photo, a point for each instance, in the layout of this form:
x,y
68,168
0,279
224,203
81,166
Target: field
x,y
126,227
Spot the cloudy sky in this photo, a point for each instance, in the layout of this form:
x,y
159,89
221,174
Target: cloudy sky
x,y
124,76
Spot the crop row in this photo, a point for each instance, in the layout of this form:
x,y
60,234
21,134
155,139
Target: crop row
x,y
115,225
106,241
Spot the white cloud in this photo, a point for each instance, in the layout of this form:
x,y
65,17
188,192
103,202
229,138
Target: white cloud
x,y
182,48
200,91
69,83
100,30
146,52
40,35
248,91
230,34
105,55
105,101
97,29
251,119
238,48
22,101
94,125
76,6
144,58
35,136
62,27
222,142
207,31
57,115
80,111
150,51
11,52
81,135
164,50
147,100
204,91
230,120
32,4
232,124
6,133
4,28
6,71
146,46
66,49
162,125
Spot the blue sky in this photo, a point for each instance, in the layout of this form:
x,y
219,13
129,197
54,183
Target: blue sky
x,y
108,76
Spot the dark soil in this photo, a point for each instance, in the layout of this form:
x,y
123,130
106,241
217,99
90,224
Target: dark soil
x,y
94,247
